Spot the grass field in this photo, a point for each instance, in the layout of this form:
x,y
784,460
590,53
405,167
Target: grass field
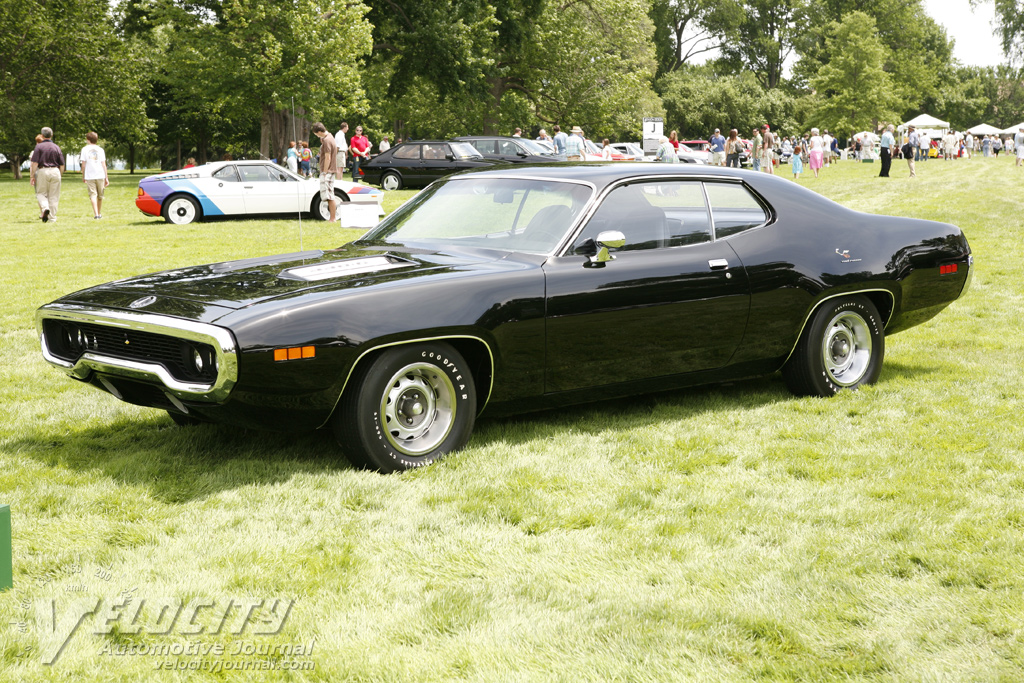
x,y
726,533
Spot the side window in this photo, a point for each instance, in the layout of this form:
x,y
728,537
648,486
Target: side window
x,y
257,174
653,215
508,147
734,208
434,151
227,174
407,152
486,146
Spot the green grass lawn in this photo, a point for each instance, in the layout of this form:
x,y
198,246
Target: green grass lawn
x,y
726,533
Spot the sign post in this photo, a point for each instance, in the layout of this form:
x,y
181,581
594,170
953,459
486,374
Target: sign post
x,y
654,128
6,554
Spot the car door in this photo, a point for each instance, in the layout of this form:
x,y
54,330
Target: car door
x,y
407,160
673,300
509,152
437,161
224,189
266,189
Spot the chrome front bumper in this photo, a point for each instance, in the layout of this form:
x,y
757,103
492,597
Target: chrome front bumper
x,y
89,362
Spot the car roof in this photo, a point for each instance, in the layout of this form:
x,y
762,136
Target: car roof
x,y
487,137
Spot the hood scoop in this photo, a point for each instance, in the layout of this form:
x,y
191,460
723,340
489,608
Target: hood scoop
x,y
344,268
244,264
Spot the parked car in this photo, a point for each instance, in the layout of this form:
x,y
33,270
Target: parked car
x,y
698,151
511,150
241,188
595,152
514,289
630,150
421,162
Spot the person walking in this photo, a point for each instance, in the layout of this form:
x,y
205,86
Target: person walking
x,y
574,145
328,164
797,162
666,152
755,149
817,154
342,143
733,147
359,145
292,157
826,149
768,150
305,158
949,145
1018,144
888,144
606,150
560,139
909,149
718,153
46,168
94,172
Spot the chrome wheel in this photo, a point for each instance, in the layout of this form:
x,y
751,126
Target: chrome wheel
x,y
181,210
846,348
418,407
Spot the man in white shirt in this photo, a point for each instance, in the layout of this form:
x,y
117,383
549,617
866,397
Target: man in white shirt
x,y
94,172
339,140
827,151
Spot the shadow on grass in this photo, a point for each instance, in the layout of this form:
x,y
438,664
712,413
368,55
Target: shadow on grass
x,y
180,464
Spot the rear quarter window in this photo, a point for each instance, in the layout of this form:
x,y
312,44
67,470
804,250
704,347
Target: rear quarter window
x,y
734,208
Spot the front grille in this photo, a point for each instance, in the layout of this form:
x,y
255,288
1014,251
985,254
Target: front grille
x,y
68,340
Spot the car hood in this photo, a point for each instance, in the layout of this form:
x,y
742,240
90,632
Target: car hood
x,y
207,292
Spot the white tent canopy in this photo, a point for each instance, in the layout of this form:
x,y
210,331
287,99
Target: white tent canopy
x,y
925,121
1012,130
983,129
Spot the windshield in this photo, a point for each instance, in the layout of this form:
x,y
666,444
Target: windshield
x,y
536,148
464,150
511,214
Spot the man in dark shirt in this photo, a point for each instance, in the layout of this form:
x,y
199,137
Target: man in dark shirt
x,y
328,163
47,166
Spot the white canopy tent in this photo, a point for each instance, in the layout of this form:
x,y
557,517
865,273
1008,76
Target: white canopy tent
x,y
925,121
984,129
1012,130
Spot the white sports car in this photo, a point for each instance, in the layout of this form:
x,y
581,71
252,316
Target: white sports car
x,y
242,188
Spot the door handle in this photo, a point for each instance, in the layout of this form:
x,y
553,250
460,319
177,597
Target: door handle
x,y
248,187
718,264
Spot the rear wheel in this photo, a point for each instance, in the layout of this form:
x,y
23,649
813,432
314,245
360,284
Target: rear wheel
x,y
406,408
181,209
321,209
391,181
841,348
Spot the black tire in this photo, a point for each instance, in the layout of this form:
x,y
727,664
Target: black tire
x,y
319,207
842,348
427,385
184,420
180,209
391,181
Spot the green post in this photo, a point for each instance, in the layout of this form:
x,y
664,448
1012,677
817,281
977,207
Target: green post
x,y
6,563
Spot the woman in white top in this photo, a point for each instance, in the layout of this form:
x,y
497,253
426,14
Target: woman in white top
x,y
817,144
606,150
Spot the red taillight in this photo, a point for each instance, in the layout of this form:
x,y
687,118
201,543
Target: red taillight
x,y
947,269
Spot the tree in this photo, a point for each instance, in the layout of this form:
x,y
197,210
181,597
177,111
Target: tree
x,y
1010,22
684,29
764,38
62,66
853,89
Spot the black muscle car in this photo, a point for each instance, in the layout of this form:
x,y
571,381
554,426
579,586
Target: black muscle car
x,y
512,289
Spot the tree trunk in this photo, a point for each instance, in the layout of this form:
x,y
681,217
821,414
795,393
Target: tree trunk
x,y
278,128
131,158
492,117
178,165
16,166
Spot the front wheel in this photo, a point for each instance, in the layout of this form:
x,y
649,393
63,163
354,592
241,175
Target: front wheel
x,y
391,181
841,348
181,210
406,408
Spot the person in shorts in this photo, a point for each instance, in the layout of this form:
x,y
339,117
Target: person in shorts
x,y
328,164
94,172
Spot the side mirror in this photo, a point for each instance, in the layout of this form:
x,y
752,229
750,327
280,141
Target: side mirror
x,y
449,156
609,239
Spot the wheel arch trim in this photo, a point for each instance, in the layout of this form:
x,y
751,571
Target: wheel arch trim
x,y
406,342
855,292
